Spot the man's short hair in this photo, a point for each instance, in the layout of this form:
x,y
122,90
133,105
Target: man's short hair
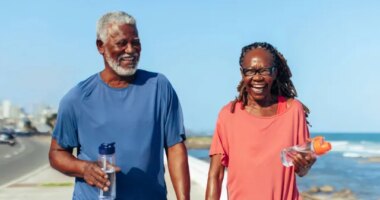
x,y
117,18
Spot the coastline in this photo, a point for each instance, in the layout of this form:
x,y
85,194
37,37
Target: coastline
x,y
198,142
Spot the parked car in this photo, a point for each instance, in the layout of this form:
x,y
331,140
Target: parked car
x,y
6,138
23,133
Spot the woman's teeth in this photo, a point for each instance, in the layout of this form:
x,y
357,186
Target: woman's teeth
x,y
258,90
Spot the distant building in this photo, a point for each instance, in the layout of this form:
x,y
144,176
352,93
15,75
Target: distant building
x,y
6,108
9,114
14,117
40,116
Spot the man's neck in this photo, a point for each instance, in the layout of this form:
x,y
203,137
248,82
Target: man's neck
x,y
115,81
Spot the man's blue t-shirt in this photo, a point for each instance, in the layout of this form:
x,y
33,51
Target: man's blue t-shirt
x,y
142,119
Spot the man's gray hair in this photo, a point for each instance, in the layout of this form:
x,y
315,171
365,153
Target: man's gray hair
x,y
117,18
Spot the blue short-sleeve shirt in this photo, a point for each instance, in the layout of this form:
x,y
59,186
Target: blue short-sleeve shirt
x,y
142,119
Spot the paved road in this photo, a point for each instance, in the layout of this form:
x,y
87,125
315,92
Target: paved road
x,y
27,155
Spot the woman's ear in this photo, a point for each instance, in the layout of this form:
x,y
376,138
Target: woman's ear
x,y
241,72
275,73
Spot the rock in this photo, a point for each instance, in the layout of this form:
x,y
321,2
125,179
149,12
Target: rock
x,y
344,194
326,189
327,192
375,159
307,196
313,189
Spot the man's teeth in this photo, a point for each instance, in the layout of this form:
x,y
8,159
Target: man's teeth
x,y
127,58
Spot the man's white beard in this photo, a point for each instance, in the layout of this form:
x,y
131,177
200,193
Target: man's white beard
x,y
117,68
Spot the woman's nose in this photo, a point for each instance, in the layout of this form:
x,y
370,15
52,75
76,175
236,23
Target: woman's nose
x,y
257,77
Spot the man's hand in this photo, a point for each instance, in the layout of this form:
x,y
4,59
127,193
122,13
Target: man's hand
x,y
63,160
95,176
303,162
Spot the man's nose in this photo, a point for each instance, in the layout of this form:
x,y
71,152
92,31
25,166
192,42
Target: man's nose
x,y
129,48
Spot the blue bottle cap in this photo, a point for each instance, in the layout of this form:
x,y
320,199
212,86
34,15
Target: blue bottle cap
x,y
105,149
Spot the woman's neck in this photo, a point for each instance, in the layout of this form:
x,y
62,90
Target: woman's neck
x,y
265,107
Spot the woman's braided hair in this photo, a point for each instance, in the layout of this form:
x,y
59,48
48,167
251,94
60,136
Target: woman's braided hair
x,y
282,86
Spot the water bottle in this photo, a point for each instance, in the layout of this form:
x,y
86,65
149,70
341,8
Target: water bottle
x,y
317,147
106,160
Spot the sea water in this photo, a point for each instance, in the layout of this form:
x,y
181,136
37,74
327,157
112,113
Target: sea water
x,y
347,165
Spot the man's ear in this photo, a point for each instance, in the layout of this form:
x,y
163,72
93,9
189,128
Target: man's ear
x,y
100,46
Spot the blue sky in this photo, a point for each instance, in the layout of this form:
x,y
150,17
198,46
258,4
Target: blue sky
x,y
332,48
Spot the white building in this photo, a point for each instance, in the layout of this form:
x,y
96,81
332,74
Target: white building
x,y
9,111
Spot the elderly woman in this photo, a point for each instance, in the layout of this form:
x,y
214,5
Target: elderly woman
x,y
252,130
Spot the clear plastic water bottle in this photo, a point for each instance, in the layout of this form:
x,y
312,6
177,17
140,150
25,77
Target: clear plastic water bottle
x,y
106,160
317,147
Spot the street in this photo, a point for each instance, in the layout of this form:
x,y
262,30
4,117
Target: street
x,y
27,155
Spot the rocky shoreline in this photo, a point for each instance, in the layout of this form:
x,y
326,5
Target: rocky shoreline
x,y
199,142
327,192
374,159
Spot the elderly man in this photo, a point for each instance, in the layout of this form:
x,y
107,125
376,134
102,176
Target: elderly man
x,y
137,109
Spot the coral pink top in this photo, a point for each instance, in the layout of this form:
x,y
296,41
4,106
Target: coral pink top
x,y
251,148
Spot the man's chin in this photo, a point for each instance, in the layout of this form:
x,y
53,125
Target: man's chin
x,y
129,72
125,72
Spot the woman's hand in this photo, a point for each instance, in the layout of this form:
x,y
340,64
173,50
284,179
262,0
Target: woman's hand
x,y
303,162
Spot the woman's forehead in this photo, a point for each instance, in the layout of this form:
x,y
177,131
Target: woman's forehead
x,y
258,56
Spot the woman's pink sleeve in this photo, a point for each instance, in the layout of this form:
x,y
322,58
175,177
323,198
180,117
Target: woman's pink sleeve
x,y
219,143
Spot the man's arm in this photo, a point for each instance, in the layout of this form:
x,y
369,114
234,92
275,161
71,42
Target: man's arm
x,y
63,160
179,170
215,178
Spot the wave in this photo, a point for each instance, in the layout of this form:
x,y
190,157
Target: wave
x,y
356,149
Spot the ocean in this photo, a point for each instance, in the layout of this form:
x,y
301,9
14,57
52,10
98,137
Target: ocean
x,y
347,166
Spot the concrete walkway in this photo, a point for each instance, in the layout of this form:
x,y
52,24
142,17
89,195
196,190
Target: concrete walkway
x,y
197,190
47,183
